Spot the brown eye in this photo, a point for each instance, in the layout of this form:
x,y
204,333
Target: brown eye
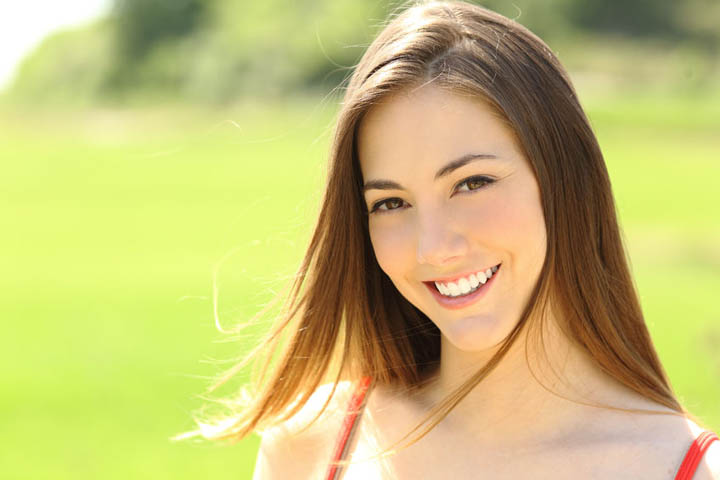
x,y
388,204
473,183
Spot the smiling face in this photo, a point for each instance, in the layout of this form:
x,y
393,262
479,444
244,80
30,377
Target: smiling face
x,y
451,198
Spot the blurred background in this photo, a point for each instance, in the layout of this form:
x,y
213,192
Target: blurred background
x,y
159,154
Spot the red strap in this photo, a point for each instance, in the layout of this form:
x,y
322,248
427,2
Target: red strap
x,y
695,454
353,411
687,468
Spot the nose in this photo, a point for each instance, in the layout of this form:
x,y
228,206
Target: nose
x,y
439,242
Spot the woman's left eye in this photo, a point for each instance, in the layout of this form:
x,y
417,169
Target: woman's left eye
x,y
473,183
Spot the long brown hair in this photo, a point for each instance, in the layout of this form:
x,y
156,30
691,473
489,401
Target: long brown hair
x,y
345,319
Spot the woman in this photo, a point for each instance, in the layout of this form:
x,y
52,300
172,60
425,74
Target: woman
x,y
465,308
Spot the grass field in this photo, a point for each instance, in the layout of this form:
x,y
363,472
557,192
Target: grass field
x,y
113,223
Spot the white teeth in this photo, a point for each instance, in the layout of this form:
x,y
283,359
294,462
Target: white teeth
x,y
454,289
465,285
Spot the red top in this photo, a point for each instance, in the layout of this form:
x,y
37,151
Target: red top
x,y
695,454
357,402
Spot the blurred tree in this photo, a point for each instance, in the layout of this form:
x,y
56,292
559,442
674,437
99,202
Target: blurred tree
x,y
217,51
700,19
141,24
547,18
279,46
141,29
68,67
631,17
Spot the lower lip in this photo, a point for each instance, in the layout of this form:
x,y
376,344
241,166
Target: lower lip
x,y
464,301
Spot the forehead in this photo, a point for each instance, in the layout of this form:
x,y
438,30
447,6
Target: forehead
x,y
429,126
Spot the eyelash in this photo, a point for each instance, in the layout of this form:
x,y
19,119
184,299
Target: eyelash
x,y
476,178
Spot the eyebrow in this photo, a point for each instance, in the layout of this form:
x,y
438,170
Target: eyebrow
x,y
445,170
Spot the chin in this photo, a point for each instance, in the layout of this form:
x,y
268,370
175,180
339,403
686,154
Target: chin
x,y
476,333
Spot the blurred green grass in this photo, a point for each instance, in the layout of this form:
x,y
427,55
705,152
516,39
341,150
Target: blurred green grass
x,y
114,221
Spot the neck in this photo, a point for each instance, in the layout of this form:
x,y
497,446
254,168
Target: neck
x,y
512,405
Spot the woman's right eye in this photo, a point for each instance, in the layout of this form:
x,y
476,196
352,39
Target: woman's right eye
x,y
388,204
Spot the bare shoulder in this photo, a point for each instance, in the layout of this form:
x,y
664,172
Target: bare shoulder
x,y
656,446
709,467
301,447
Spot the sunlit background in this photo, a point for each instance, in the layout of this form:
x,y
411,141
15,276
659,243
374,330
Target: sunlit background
x,y
150,148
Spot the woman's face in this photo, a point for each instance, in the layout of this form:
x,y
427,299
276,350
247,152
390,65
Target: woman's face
x,y
451,197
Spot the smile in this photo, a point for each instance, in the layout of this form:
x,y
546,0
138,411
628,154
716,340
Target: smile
x,y
466,285
461,291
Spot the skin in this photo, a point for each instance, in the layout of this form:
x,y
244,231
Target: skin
x,y
426,228
439,228
435,228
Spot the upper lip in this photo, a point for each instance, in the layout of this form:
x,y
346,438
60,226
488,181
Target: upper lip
x,y
460,275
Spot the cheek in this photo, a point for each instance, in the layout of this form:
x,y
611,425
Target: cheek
x,y
393,246
512,223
